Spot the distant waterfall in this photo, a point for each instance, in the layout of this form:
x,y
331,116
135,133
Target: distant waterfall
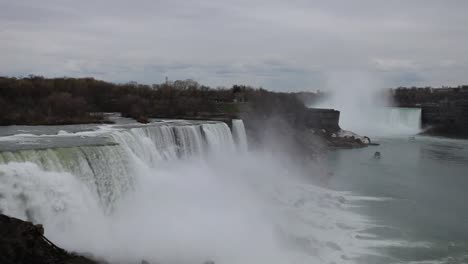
x,y
405,118
382,121
365,111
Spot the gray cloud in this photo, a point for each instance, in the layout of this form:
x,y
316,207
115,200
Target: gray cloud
x,y
282,45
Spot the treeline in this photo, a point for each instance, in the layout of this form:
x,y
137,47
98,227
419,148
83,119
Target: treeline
x,y
37,100
415,96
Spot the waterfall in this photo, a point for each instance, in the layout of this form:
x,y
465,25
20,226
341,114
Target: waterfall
x,y
218,137
57,199
109,171
364,108
103,169
154,144
238,132
382,121
406,119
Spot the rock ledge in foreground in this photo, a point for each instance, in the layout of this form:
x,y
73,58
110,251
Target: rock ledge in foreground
x,y
24,243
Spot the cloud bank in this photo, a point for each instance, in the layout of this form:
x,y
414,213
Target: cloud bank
x,y
280,45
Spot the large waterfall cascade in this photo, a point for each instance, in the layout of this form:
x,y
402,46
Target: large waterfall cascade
x,y
109,170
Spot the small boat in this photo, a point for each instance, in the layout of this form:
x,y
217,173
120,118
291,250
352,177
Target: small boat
x,y
377,155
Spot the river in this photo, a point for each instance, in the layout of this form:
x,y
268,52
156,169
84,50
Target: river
x,y
175,191
417,193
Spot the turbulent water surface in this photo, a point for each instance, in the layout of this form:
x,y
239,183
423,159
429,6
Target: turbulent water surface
x,y
188,192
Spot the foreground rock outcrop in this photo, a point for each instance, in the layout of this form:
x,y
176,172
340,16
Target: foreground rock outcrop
x,y
22,242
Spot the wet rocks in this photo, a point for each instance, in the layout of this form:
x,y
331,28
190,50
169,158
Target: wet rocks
x,y
346,142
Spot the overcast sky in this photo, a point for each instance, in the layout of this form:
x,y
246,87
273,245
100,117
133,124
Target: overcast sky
x,y
280,45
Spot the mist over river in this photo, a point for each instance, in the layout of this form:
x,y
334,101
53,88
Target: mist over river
x,y
176,191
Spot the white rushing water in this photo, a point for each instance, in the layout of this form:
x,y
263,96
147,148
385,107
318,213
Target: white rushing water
x,y
408,119
180,193
384,121
238,132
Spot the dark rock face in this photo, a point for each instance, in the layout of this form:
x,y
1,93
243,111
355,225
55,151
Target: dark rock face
x,y
322,119
309,130
447,118
24,243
